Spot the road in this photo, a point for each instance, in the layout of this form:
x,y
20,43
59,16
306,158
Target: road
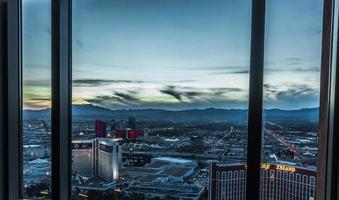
x,y
291,147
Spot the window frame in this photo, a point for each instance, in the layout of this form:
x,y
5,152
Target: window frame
x,y
61,99
11,114
2,94
13,101
330,147
255,104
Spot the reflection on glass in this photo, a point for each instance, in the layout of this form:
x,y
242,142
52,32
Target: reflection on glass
x,y
160,94
36,130
291,99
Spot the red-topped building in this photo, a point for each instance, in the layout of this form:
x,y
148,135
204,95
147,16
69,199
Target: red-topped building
x,y
100,129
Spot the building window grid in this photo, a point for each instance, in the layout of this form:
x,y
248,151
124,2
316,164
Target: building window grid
x,y
224,186
242,187
236,184
218,186
291,188
272,184
278,185
285,185
304,187
230,184
312,187
298,186
265,184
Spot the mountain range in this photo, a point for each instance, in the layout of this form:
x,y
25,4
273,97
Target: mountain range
x,y
89,112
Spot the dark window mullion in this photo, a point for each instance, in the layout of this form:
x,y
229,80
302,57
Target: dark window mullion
x,y
61,99
325,143
2,98
13,114
255,100
333,109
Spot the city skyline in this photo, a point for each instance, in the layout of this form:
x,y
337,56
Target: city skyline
x,y
193,54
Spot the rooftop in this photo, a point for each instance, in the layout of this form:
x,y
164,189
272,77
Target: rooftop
x,y
173,160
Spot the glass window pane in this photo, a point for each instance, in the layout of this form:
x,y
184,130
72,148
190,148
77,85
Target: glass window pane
x,y
160,95
36,130
291,99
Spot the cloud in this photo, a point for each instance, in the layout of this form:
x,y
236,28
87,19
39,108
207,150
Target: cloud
x,y
293,59
290,64
196,94
99,82
126,96
80,45
170,90
294,69
41,99
291,96
116,99
222,69
37,83
35,105
106,100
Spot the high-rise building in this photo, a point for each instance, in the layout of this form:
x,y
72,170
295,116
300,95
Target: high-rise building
x,y
120,125
131,123
108,159
100,129
228,182
97,157
129,134
83,157
287,182
113,125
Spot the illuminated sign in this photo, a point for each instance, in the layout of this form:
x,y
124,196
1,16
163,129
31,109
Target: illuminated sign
x,y
285,168
265,166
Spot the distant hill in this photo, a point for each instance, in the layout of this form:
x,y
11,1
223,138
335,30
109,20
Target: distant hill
x,y
89,111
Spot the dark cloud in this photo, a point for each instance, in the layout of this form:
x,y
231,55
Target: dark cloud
x,y
296,93
225,91
40,99
106,100
223,69
37,83
289,64
240,72
294,69
291,96
310,69
117,99
170,90
127,97
80,45
247,71
293,59
212,94
98,82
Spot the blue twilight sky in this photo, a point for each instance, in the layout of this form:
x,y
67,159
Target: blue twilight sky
x,y
176,54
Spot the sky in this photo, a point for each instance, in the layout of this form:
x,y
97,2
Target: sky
x,y
176,54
